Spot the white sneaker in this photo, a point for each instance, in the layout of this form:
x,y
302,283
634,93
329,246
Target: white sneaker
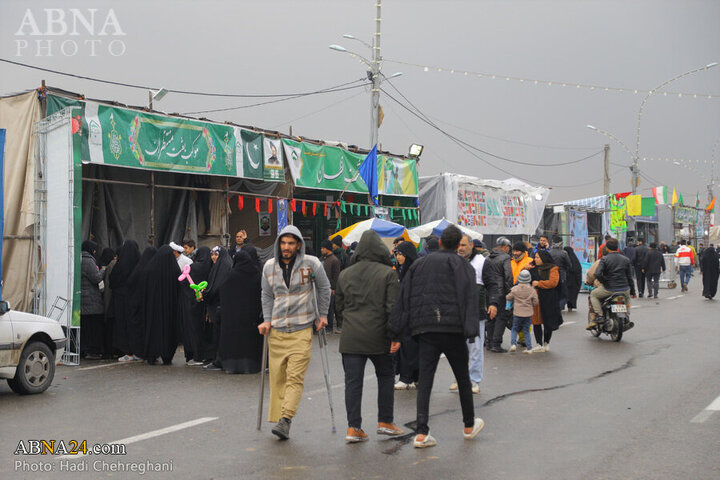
x,y
546,347
479,425
135,358
453,387
428,442
401,385
537,349
512,348
476,388
528,351
412,386
194,363
126,358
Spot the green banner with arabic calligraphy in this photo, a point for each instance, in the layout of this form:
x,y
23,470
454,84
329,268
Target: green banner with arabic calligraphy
x,y
324,167
129,138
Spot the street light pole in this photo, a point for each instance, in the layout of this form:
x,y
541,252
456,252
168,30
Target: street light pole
x,y
635,168
606,176
375,78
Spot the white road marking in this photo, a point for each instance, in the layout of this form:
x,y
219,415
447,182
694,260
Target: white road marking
x,y
105,365
636,306
153,434
673,298
705,414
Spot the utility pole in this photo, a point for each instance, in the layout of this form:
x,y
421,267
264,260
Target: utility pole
x,y
606,176
375,78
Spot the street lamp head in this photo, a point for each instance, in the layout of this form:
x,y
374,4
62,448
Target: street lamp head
x,y
710,65
347,35
591,127
395,75
160,94
338,48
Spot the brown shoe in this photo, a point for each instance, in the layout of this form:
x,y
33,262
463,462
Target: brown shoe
x,y
591,325
355,435
389,429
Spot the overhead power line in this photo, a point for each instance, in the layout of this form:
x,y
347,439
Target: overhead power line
x,y
179,92
292,97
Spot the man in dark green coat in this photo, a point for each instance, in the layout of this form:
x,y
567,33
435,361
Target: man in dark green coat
x,y
364,297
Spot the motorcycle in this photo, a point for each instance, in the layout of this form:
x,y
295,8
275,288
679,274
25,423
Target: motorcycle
x,y
616,313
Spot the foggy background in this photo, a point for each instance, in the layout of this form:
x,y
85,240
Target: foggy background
x,y
279,47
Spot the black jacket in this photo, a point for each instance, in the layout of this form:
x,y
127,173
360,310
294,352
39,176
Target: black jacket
x,y
438,294
562,260
365,294
654,262
641,253
498,278
614,272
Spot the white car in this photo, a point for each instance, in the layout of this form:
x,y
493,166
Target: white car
x,y
29,347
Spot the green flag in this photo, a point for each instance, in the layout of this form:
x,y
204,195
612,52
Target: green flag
x,y
252,144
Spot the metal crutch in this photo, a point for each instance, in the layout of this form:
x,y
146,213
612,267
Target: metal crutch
x,y
322,342
262,380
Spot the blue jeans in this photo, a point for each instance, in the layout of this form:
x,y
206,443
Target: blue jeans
x,y
521,323
686,272
477,355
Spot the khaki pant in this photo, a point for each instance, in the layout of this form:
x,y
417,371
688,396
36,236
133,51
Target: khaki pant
x,y
600,293
288,360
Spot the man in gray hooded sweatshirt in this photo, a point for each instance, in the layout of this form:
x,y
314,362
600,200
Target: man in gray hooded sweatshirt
x,y
289,312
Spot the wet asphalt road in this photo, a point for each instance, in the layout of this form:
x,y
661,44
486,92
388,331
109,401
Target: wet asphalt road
x,y
588,409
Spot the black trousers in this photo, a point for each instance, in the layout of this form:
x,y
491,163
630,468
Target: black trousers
x,y
495,328
407,360
653,283
542,333
453,345
640,277
354,366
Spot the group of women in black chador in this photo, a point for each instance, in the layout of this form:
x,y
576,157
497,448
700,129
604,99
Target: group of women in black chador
x,y
135,307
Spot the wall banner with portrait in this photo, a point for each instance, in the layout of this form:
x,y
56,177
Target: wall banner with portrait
x,y
264,224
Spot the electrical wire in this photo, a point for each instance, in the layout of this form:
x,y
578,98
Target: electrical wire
x,y
277,100
514,142
179,92
499,157
275,127
460,144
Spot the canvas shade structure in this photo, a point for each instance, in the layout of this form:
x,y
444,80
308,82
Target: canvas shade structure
x,y
386,230
438,226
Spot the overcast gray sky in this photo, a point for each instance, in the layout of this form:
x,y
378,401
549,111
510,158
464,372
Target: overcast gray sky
x,y
278,46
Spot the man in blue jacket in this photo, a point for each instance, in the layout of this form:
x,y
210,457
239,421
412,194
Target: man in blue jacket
x,y
439,306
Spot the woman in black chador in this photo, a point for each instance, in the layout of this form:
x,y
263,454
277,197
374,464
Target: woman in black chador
x,y
195,337
136,319
574,279
709,266
160,306
128,257
240,344
222,264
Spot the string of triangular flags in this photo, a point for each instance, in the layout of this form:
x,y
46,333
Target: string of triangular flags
x,y
312,208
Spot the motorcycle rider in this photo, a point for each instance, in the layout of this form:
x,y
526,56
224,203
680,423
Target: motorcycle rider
x,y
615,274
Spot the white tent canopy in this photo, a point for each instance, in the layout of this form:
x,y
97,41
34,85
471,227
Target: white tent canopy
x,y
424,230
